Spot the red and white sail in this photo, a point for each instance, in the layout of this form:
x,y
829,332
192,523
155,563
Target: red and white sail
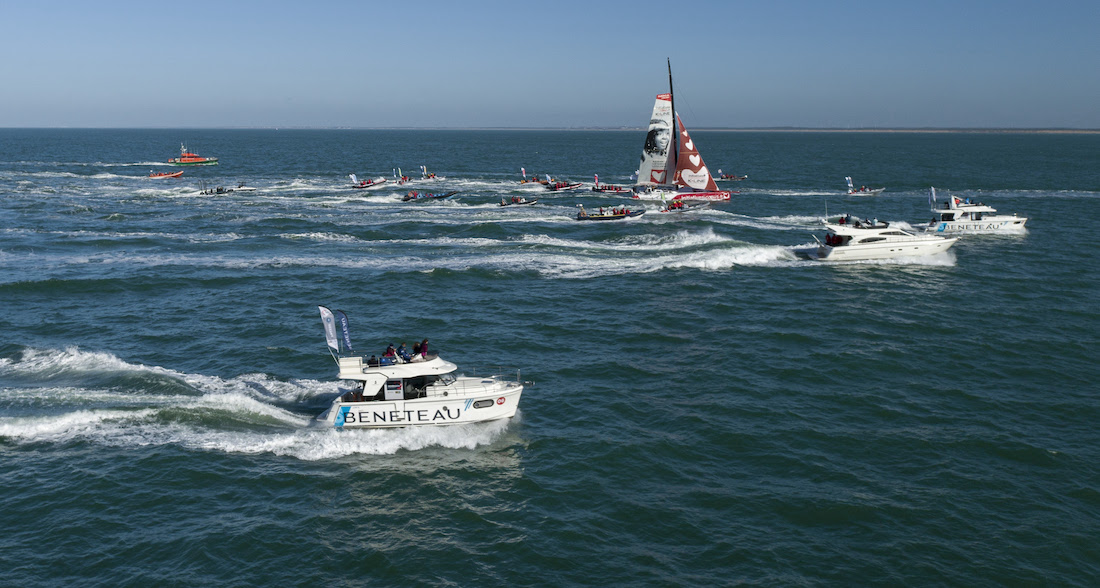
x,y
690,169
658,155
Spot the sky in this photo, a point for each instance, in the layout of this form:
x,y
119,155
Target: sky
x,y
554,64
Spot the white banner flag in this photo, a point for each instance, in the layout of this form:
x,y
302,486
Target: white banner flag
x,y
330,328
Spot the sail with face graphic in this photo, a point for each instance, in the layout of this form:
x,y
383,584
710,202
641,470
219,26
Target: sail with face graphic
x,y
659,153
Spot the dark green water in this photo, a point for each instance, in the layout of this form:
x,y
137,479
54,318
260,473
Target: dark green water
x,y
708,409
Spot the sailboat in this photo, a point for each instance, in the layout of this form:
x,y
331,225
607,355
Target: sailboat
x,y
673,170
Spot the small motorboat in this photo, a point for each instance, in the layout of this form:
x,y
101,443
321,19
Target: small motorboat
x,y
850,239
563,186
608,188
517,201
960,215
862,190
422,390
358,184
188,158
415,195
533,179
617,213
159,175
684,205
611,189
733,177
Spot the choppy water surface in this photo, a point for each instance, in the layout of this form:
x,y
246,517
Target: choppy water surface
x,y
708,408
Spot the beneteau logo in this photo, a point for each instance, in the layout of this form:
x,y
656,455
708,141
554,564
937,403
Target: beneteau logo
x,y
366,416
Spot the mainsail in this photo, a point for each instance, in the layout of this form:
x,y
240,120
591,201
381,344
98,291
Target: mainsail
x,y
690,169
658,155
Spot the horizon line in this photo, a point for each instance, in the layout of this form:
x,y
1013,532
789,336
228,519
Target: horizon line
x,y
1052,130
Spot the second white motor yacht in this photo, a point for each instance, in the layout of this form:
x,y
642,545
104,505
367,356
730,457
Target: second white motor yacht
x,y
851,239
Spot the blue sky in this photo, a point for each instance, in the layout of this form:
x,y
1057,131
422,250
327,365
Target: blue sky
x,y
563,63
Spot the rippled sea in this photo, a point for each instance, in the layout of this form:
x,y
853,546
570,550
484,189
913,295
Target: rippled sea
x,y
706,407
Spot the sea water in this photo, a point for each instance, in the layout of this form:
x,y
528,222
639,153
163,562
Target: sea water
x,y
706,407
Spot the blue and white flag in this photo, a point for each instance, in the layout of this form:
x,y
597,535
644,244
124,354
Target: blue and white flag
x,y
330,328
344,329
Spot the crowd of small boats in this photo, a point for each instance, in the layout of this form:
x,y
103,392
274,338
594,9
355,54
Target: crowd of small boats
x,y
401,389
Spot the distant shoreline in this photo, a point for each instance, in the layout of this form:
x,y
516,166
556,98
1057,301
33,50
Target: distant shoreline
x,y
1052,131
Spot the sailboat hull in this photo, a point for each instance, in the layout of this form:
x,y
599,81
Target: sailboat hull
x,y
661,195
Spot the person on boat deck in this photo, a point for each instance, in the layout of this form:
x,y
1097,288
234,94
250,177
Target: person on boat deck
x,y
424,348
403,353
390,351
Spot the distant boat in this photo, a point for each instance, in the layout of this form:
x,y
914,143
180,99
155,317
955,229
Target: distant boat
x,y
673,170
188,158
517,201
414,195
366,184
534,179
609,215
862,190
609,188
158,175
684,205
563,186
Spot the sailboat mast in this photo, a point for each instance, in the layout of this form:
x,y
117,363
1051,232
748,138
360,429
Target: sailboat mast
x,y
675,133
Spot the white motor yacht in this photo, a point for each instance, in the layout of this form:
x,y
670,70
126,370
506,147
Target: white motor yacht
x,y
419,393
851,239
958,215
424,390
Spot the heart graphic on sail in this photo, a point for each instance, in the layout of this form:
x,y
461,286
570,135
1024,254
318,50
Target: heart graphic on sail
x,y
657,176
690,145
695,159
